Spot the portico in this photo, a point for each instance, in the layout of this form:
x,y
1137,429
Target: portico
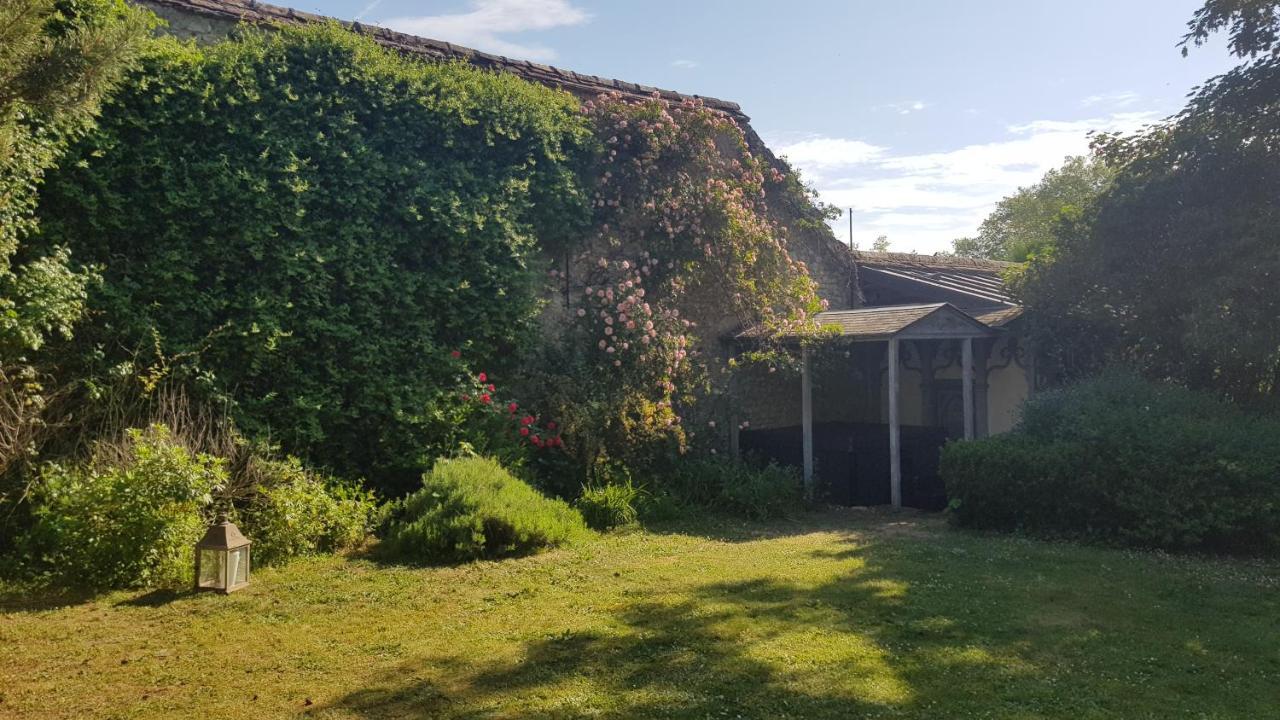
x,y
930,327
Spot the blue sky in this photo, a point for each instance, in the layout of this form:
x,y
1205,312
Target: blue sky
x,y
918,115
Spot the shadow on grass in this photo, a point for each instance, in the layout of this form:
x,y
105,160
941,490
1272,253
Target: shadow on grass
x,y
840,519
850,647
32,596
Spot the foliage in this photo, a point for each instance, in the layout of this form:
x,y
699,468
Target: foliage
x,y
1172,270
297,512
680,222
471,508
605,507
1023,224
1254,26
58,59
735,487
475,418
128,521
880,244
308,224
1121,459
762,493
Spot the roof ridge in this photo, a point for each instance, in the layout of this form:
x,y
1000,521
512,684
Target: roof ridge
x,y
261,13
950,261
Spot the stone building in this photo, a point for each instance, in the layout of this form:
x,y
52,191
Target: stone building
x,y
927,348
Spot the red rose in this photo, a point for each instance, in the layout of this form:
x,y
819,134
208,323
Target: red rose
x,y
524,431
511,408
526,420
536,441
482,377
465,397
456,354
551,425
492,388
485,398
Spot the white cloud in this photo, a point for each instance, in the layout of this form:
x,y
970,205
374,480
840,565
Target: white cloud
x,y
816,152
482,26
923,201
687,64
903,108
1124,98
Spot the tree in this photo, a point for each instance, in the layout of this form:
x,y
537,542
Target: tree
x,y
1254,26
1022,225
880,244
1174,269
58,60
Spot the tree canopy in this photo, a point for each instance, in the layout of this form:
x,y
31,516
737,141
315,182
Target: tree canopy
x,y
58,59
1023,224
1174,268
1253,26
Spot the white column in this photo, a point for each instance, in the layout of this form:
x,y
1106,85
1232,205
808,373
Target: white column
x,y
966,359
895,451
806,422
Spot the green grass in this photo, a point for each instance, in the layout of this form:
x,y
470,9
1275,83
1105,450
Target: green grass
x,y
841,614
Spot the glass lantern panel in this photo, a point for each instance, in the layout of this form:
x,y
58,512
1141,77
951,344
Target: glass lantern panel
x,y
211,562
239,567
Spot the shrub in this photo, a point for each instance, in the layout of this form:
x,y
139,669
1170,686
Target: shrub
x,y
1122,459
297,512
734,486
762,493
130,522
605,507
470,508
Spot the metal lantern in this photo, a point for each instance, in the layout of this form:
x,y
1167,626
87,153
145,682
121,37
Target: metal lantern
x,y
222,558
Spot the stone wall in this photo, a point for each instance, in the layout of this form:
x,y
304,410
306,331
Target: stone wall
x,y
186,25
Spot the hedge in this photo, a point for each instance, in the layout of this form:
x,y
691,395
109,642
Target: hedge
x,y
1124,460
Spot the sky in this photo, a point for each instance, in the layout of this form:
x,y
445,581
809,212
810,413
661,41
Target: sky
x,y
919,116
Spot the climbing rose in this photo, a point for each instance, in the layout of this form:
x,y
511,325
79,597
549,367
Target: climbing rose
x,y
524,432
482,377
486,399
456,354
511,408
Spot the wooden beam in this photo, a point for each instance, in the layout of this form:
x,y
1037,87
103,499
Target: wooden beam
x,y
806,422
966,360
895,451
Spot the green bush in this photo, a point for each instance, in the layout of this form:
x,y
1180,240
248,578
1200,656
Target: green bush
x,y
128,522
1121,459
605,507
297,512
313,224
736,487
470,508
762,493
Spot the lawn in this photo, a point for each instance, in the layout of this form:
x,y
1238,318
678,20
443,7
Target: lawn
x,y
840,614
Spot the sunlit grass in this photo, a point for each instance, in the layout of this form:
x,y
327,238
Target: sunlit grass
x,y
842,614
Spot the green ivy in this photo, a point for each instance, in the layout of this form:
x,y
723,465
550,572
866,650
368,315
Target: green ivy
x,y
307,224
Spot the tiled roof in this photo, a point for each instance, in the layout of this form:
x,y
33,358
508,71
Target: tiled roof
x,y
254,12
889,320
878,323
971,276
996,316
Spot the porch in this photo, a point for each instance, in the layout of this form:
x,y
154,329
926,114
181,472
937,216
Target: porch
x,y
893,385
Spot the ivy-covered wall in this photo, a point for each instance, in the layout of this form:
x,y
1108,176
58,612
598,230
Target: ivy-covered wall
x,y
324,234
